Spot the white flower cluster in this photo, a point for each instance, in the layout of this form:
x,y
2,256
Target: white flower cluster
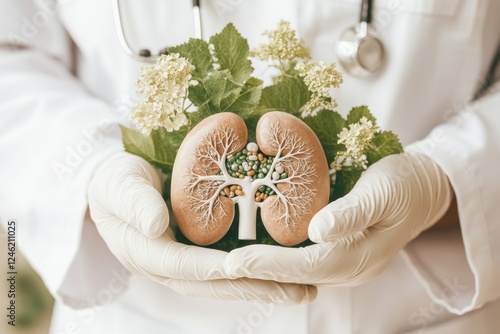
x,y
319,77
356,140
165,89
283,46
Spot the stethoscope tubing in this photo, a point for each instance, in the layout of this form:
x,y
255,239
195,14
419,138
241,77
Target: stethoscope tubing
x,y
124,43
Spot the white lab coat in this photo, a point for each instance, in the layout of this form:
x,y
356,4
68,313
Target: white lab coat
x,y
68,84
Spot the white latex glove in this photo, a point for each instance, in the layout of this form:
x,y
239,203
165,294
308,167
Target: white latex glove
x,y
359,234
131,216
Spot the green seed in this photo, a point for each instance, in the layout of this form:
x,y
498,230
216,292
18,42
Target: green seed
x,y
271,193
245,151
262,189
241,171
268,191
284,175
261,175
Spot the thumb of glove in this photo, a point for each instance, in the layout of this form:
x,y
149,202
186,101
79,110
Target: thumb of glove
x,y
127,188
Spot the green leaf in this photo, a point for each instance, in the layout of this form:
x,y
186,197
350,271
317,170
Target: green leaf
x,y
248,99
327,124
213,95
219,93
345,181
160,148
357,113
198,53
251,123
136,143
384,143
290,94
231,50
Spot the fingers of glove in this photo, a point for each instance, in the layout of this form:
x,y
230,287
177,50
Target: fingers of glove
x,y
128,187
346,263
291,265
244,289
380,194
161,256
435,192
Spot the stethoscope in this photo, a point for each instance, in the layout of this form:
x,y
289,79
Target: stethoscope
x,y
145,55
359,52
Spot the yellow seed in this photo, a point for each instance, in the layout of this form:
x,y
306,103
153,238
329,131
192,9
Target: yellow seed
x,y
257,199
226,191
233,187
241,176
260,156
251,172
238,187
257,194
263,195
238,192
264,160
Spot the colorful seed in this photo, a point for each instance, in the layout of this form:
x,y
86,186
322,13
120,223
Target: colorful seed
x,y
279,168
252,157
284,175
227,191
238,192
252,147
276,176
251,172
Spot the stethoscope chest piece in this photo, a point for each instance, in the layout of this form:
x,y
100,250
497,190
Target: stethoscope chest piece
x,y
360,53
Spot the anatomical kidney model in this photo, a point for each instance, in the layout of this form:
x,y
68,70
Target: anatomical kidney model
x,y
285,174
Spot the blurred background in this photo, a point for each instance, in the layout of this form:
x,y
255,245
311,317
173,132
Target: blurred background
x,y
33,301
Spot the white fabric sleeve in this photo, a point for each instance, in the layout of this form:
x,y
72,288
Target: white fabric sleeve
x,y
461,269
53,134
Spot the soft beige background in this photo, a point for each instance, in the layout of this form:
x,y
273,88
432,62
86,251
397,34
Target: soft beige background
x,y
33,302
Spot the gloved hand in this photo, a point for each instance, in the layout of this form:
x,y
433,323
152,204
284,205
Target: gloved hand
x,y
359,234
131,216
